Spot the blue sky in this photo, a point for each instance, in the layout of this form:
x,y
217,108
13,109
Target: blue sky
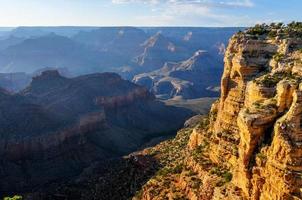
x,y
147,12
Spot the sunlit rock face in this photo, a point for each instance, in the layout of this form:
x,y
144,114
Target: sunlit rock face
x,y
250,145
260,91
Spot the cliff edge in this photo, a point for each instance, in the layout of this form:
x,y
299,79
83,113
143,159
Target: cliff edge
x,y
250,145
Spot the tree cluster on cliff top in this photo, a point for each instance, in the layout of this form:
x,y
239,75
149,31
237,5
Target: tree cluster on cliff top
x,y
293,29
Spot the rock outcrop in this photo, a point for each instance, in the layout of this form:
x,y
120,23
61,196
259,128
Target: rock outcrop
x,y
249,147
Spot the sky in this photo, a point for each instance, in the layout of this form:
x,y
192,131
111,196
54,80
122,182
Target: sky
x,y
200,13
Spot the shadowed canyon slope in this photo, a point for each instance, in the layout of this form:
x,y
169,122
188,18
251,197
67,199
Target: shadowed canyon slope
x,y
58,126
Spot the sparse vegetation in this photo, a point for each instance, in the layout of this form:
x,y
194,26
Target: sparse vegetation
x,y
293,29
177,169
223,173
271,80
198,153
227,136
191,173
235,150
16,197
258,29
265,105
278,57
272,34
261,156
257,104
204,123
196,183
227,176
213,113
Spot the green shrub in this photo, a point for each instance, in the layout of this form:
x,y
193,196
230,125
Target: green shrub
x,y
258,30
293,29
295,25
272,34
163,172
192,173
257,104
198,152
278,57
16,197
196,183
269,81
272,80
216,170
261,156
227,176
177,169
204,123
235,150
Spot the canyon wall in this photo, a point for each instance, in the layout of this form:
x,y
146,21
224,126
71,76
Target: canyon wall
x,y
250,145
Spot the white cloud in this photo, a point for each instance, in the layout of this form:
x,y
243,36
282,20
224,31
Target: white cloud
x,y
204,3
189,12
238,3
135,1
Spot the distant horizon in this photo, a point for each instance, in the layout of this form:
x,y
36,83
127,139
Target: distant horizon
x,y
135,26
118,26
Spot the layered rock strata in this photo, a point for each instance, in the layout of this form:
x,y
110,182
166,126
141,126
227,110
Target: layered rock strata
x,y
250,145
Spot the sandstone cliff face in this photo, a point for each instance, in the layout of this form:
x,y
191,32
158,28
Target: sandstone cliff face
x,y
250,146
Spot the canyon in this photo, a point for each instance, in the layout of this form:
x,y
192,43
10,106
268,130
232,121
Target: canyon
x,y
57,126
247,147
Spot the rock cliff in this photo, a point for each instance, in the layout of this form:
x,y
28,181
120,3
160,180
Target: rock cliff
x,y
250,145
